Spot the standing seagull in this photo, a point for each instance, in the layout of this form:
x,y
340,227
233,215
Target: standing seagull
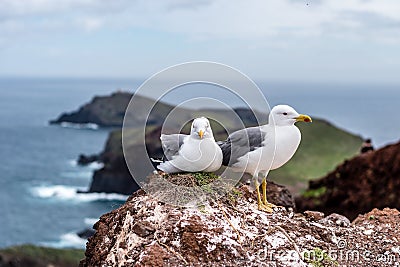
x,y
191,153
256,150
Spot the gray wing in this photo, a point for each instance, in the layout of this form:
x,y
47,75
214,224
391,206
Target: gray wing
x,y
171,144
239,143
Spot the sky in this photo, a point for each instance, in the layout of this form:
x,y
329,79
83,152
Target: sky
x,y
349,41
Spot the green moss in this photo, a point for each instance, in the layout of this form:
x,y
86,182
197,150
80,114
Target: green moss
x,y
233,195
315,193
202,208
45,256
236,192
207,188
204,178
319,258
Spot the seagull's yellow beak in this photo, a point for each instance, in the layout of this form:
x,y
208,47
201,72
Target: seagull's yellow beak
x,y
304,118
201,133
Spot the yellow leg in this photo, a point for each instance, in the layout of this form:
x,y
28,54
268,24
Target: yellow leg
x,y
261,205
264,190
264,194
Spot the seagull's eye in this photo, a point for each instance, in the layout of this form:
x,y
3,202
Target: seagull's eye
x,y
284,113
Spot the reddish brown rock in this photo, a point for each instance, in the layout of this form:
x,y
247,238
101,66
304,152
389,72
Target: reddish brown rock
x,y
237,234
314,215
370,180
376,216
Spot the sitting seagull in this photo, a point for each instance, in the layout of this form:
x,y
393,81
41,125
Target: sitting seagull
x,y
256,150
191,153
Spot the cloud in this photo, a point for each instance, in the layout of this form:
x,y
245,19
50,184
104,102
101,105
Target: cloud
x,y
42,7
262,19
221,19
321,38
90,24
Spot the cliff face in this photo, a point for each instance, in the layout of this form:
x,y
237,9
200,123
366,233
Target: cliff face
x,y
232,232
367,181
114,177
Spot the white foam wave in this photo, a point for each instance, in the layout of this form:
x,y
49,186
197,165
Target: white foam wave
x,y
92,166
91,126
90,221
84,172
95,165
68,240
62,192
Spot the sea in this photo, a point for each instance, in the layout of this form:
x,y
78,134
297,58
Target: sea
x,y
39,174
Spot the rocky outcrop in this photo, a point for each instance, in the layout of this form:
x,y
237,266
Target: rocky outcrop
x,y
87,159
145,232
114,177
105,111
109,111
370,180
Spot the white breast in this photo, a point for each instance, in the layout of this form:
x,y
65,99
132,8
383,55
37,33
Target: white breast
x,y
287,140
277,149
198,155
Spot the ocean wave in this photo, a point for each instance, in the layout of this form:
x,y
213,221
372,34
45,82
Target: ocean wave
x,y
91,126
90,221
68,240
62,192
95,165
92,166
84,172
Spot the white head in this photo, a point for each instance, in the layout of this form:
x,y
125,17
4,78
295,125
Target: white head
x,y
201,128
284,115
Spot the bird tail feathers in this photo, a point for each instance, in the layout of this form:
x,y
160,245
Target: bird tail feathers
x,y
167,167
